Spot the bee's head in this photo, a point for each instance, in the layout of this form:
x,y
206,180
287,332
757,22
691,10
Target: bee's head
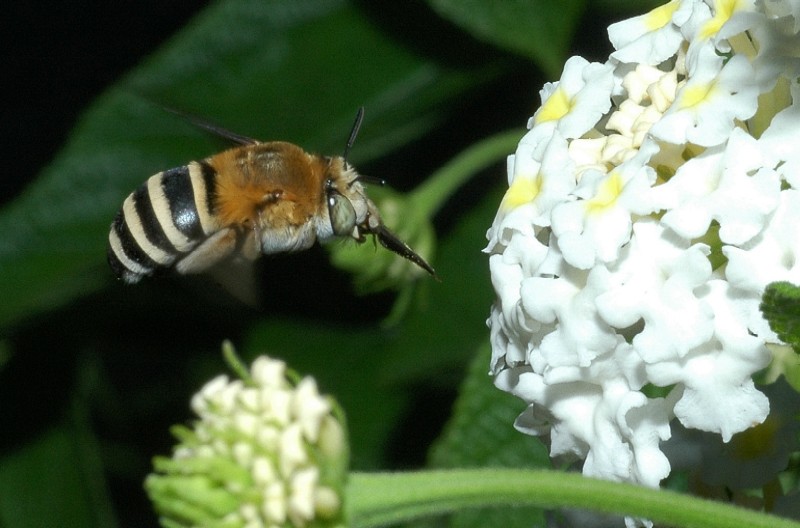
x,y
347,203
351,212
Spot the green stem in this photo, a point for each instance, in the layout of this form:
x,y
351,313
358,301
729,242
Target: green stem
x,y
234,362
430,195
379,499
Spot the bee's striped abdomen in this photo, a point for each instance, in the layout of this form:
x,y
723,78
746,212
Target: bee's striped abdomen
x,y
162,220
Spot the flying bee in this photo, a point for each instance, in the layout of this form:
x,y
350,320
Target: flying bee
x,y
255,198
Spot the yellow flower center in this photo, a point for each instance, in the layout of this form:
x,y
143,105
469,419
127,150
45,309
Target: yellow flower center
x,y
524,189
660,16
694,95
607,194
723,11
557,106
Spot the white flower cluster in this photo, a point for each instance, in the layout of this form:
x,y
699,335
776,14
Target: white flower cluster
x,y
653,199
265,453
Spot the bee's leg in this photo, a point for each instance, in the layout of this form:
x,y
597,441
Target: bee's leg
x,y
251,248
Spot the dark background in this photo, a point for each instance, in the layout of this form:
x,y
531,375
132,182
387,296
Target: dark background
x,y
57,57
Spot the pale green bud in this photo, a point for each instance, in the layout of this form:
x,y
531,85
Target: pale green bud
x,y
264,452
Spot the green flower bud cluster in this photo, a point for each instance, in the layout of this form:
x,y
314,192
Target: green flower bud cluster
x,y
265,452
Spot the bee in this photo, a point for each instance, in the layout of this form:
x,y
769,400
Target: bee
x,y
255,198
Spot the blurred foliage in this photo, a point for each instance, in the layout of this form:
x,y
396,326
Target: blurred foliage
x,y
781,308
93,373
544,37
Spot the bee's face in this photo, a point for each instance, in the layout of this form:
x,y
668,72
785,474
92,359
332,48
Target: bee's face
x,y
347,209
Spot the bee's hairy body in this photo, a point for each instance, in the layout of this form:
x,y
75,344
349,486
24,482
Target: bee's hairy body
x,y
258,198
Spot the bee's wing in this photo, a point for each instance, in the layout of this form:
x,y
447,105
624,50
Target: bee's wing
x,y
238,277
227,256
208,253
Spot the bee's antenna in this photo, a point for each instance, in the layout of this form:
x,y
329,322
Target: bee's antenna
x,y
370,179
208,126
353,133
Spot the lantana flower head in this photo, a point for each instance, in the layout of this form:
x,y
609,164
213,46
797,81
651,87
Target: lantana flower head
x,y
266,451
653,199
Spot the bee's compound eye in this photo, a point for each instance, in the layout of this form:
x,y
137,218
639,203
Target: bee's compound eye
x,y
342,213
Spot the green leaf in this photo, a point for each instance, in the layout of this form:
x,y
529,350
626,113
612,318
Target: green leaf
x,y
538,29
481,434
781,308
264,69
46,483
